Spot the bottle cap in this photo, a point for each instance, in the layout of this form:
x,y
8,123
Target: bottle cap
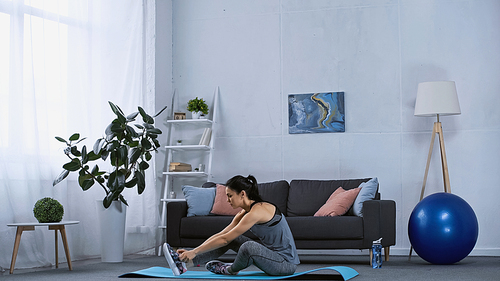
x,y
379,241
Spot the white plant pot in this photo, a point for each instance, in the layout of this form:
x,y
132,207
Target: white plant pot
x,y
112,227
195,114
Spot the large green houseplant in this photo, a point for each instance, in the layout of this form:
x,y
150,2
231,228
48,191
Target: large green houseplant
x,y
128,149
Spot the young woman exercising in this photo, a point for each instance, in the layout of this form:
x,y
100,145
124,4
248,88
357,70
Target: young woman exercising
x,y
275,255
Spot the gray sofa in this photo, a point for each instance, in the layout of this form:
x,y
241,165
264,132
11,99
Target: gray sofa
x,y
298,201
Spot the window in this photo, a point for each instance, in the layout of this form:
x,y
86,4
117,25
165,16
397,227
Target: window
x,y
4,76
33,69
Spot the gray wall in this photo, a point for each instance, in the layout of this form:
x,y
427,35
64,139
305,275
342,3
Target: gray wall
x,y
376,52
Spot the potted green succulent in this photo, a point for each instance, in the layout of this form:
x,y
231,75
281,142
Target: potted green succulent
x,y
128,149
48,210
197,106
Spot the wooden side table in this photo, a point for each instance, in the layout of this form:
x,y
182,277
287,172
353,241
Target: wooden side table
x,y
52,226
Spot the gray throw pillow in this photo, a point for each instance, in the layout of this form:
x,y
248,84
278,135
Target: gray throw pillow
x,y
199,200
367,192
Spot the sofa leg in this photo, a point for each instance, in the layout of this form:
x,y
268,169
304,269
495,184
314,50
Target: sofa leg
x,y
386,253
371,257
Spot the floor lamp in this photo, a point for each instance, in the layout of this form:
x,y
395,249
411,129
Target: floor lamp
x,y
434,99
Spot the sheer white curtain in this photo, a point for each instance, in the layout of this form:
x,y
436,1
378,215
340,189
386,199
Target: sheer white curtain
x,y
60,62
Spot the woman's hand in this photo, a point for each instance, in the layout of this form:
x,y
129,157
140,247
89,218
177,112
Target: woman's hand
x,y
185,255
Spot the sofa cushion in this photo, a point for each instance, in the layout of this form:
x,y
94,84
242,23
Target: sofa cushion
x,y
221,206
275,192
307,196
208,184
339,203
199,200
367,192
343,227
326,228
203,227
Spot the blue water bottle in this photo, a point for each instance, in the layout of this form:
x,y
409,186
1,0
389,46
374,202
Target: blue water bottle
x,y
377,253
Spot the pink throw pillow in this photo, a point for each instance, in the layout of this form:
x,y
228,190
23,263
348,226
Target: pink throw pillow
x,y
339,202
221,206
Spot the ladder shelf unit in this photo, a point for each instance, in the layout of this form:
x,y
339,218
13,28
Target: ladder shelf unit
x,y
174,152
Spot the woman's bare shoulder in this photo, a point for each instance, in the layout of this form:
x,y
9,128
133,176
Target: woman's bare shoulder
x,y
263,210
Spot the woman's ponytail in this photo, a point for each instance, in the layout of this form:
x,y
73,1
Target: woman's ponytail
x,y
248,184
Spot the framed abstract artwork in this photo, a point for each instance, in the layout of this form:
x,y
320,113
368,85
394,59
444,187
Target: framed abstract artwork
x,y
316,113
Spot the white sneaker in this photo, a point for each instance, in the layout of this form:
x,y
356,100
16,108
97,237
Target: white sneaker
x,y
173,260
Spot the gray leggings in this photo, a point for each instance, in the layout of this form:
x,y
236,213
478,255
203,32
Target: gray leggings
x,y
250,252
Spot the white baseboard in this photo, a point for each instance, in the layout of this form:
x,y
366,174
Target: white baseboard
x,y
486,252
334,252
394,252
483,252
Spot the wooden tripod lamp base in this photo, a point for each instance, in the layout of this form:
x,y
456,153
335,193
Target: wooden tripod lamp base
x,y
437,129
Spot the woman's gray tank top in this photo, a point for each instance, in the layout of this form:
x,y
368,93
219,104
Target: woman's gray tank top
x,y
276,235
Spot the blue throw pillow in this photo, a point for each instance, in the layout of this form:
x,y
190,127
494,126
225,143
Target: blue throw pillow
x,y
367,192
199,200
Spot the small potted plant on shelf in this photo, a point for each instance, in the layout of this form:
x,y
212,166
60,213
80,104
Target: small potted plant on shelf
x,y
197,107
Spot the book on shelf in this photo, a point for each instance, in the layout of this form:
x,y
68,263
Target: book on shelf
x,y
205,137
179,164
179,167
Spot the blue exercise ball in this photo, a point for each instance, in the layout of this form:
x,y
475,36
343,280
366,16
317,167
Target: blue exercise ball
x,y
443,228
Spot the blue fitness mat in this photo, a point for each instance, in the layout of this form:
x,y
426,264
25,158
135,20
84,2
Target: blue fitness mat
x,y
340,273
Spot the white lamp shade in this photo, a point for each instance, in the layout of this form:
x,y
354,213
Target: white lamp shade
x,y
438,97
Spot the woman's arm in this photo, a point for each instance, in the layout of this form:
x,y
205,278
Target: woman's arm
x,y
186,255
237,218
242,224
